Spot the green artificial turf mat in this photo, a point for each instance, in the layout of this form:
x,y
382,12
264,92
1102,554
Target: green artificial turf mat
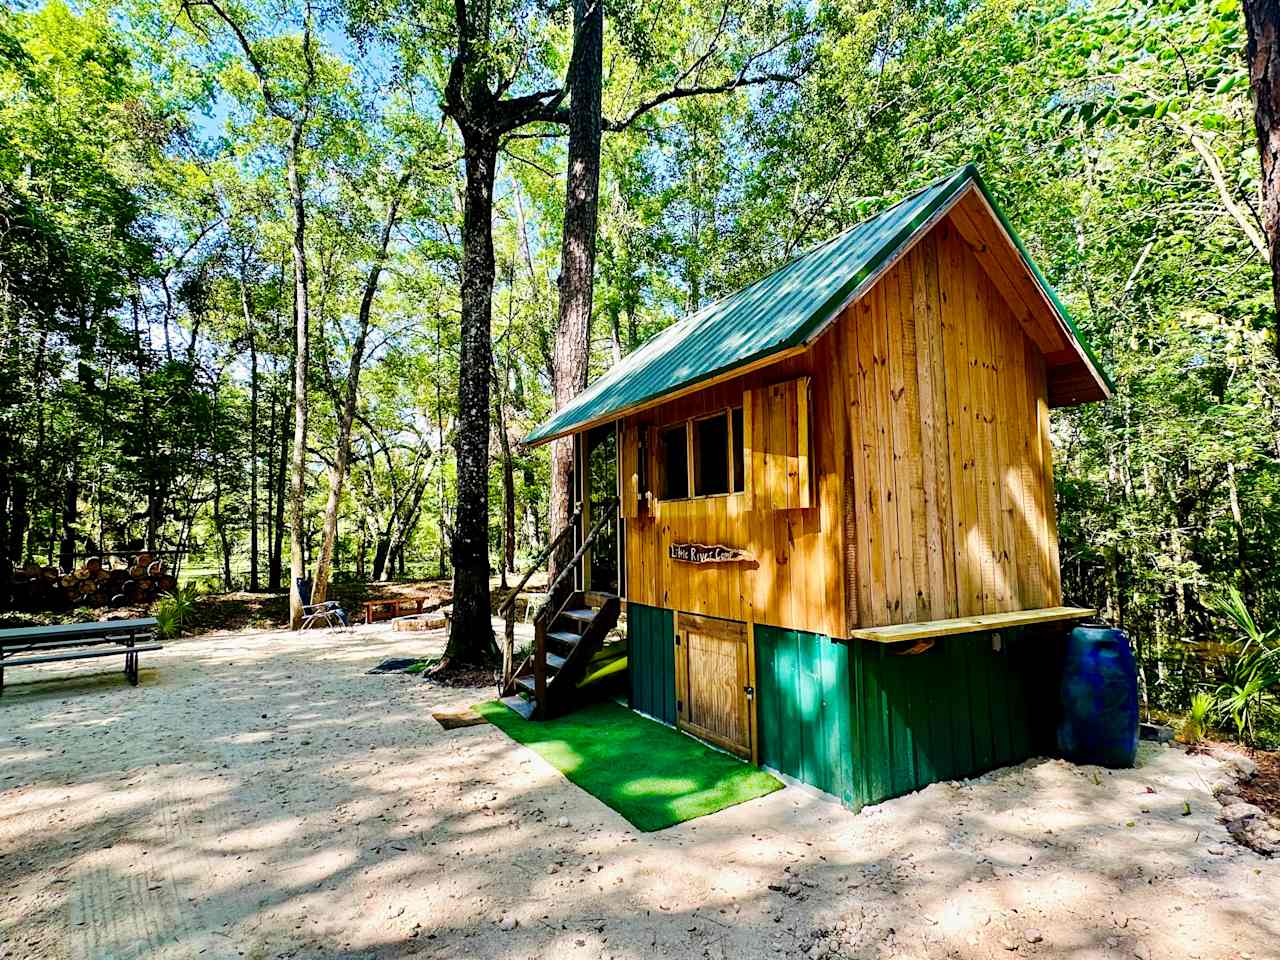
x,y
652,775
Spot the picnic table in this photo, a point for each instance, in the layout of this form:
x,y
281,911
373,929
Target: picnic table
x,y
395,606
24,646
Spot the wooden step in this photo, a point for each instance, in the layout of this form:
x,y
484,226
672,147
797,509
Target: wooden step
x,y
584,615
569,640
520,705
554,661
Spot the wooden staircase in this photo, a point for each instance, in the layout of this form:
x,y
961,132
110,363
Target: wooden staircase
x,y
567,643
568,630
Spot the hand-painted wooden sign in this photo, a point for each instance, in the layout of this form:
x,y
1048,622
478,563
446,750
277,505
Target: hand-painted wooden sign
x,y
701,553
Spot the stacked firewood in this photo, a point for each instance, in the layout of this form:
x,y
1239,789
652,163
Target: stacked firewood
x,y
95,584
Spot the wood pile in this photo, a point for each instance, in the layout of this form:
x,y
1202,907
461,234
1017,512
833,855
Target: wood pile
x,y
431,620
95,584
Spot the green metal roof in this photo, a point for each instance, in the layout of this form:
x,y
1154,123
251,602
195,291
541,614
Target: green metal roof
x,y
784,309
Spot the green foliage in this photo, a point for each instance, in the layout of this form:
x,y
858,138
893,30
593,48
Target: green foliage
x,y
1196,723
174,611
1252,673
168,625
146,328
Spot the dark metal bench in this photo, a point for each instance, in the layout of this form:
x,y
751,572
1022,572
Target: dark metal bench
x,y
25,646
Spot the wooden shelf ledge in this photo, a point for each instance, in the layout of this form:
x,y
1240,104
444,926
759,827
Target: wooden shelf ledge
x,y
900,632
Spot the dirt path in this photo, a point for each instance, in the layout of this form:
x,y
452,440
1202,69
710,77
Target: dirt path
x,y
261,796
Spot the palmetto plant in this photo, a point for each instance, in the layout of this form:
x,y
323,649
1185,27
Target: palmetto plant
x,y
173,610
1253,675
1196,723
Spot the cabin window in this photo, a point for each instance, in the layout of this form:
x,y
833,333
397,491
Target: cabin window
x,y
702,457
675,462
711,455
736,442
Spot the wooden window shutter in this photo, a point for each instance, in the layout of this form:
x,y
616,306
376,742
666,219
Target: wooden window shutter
x,y
650,474
776,446
629,473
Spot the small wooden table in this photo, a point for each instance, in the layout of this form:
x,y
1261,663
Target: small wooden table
x,y
981,623
78,641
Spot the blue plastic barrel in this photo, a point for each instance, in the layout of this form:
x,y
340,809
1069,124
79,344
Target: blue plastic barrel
x,y
1099,699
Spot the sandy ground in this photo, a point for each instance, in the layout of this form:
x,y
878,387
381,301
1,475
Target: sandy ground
x,y
260,795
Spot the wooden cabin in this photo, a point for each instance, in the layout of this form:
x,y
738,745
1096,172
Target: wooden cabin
x,y
837,543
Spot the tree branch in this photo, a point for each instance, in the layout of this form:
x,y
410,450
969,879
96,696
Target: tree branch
x,y
1224,192
259,71
680,93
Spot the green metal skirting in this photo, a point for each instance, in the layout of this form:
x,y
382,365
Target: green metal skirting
x,y
864,724
652,656
803,707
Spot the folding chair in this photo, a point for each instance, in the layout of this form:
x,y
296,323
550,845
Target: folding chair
x,y
313,613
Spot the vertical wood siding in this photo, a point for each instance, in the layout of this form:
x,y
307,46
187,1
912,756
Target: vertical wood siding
x,y
948,417
796,576
932,471
651,663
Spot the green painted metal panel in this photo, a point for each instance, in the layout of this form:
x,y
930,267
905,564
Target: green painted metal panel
x,y
928,751
802,708
1019,724
791,754
865,724
1003,682
781,310
957,668
652,661
838,733
959,709
976,648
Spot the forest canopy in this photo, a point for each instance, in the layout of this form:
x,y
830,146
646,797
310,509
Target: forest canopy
x,y
235,251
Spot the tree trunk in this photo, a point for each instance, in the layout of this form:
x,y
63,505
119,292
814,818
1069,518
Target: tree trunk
x,y
502,378
446,538
302,350
471,632
380,551
1237,522
220,524
275,484
70,516
578,249
363,550
1262,20
508,510
8,517
252,337
347,416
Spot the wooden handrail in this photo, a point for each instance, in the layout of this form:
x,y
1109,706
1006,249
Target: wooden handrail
x,y
537,565
507,607
587,543
608,515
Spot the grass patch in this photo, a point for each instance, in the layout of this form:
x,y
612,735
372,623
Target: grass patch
x,y
654,776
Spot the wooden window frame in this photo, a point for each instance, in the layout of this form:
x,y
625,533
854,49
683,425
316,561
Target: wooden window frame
x,y
687,423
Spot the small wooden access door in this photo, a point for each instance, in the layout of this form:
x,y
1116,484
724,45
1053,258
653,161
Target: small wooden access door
x,y
713,681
